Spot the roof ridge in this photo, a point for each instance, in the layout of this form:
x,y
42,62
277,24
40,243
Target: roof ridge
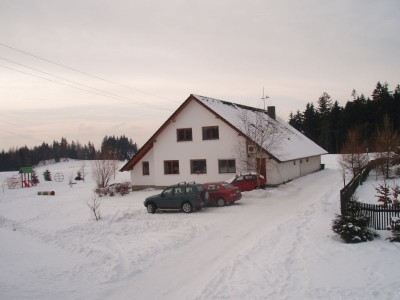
x,y
252,108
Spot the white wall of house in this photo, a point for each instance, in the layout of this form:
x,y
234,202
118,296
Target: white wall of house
x,y
278,173
310,165
166,147
137,177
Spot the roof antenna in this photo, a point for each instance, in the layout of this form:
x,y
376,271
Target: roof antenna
x,y
264,98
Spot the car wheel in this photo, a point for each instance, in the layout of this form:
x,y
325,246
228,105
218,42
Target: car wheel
x,y
151,208
187,207
220,202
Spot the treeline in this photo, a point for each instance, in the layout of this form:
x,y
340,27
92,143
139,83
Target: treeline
x,y
112,147
327,123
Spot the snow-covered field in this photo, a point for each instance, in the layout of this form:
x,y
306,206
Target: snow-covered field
x,y
273,244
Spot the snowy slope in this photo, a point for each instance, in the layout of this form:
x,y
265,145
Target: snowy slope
x,y
274,244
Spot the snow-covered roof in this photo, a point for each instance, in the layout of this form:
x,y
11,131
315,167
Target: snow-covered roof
x,y
293,144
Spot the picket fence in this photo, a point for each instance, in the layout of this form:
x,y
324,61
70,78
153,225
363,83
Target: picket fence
x,y
380,216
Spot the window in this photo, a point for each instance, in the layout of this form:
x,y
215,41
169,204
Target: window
x,y
171,167
168,192
213,187
145,168
198,166
184,134
179,190
227,166
210,133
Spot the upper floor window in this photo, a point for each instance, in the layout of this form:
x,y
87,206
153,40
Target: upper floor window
x,y
210,133
198,166
145,168
171,167
184,134
227,166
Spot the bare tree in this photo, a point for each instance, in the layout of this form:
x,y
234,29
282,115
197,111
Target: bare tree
x,y
94,206
102,171
354,155
386,143
262,135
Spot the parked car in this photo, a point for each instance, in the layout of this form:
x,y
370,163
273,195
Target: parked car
x,y
183,196
247,182
222,193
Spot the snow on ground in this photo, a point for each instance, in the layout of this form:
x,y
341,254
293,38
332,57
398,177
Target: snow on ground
x,y
273,244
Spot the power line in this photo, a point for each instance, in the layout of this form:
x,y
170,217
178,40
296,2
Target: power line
x,y
87,74
74,82
116,97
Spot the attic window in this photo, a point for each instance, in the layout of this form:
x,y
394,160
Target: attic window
x,y
145,168
184,134
210,133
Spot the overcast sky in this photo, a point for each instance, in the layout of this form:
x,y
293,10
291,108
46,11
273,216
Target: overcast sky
x,y
145,58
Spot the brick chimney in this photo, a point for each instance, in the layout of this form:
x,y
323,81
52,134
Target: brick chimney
x,y
271,112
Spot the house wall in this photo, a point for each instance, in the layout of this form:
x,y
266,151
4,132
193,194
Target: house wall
x,y
278,173
166,147
310,164
137,177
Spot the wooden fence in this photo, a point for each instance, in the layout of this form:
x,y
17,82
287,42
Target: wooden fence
x,y
351,187
380,216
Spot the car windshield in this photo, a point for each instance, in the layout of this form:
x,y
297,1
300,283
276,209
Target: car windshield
x,y
230,180
228,186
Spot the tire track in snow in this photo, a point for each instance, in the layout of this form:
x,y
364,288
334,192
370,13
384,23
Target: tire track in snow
x,y
276,276
223,262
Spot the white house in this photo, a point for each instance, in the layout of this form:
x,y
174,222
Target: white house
x,y
205,138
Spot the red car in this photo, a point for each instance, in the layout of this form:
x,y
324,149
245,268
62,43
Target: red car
x,y
222,193
248,182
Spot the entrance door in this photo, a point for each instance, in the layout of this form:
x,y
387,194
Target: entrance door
x,y
262,167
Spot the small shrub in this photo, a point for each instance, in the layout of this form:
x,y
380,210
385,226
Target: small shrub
x,y
352,227
123,188
35,178
116,188
395,230
79,176
383,191
94,206
47,175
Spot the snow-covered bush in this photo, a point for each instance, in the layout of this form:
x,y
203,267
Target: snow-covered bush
x,y
352,226
395,230
116,188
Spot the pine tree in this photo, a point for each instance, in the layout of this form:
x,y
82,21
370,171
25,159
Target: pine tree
x,y
47,175
352,226
383,191
34,178
395,194
395,230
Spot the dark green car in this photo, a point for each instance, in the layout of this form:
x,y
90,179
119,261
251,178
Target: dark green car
x,y
183,196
